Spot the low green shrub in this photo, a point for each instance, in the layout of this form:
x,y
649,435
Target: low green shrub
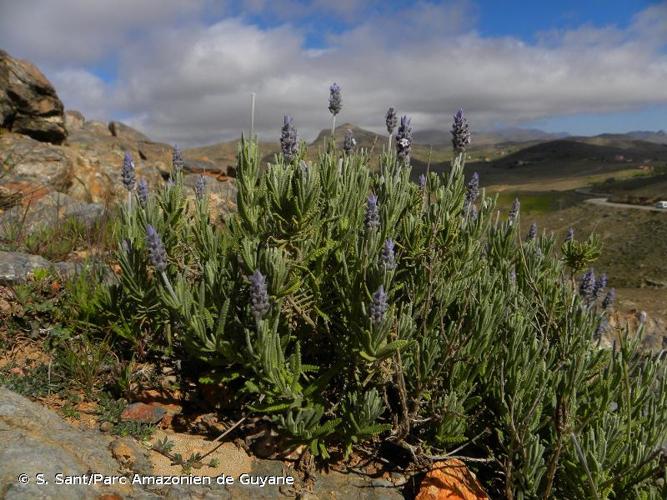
x,y
350,304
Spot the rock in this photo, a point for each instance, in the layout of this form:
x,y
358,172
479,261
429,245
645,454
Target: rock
x,y
16,267
74,120
131,456
450,480
48,210
35,441
141,412
126,132
29,165
28,102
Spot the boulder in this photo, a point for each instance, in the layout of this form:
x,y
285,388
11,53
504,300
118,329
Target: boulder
x,y
48,210
450,480
27,165
28,102
36,441
126,132
74,120
16,267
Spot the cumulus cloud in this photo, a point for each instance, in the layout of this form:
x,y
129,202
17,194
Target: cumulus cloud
x,y
188,81
81,89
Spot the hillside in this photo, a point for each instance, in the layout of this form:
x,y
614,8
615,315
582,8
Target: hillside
x,y
438,137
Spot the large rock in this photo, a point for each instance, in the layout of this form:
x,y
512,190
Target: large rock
x,y
48,210
36,441
74,120
16,267
28,102
27,165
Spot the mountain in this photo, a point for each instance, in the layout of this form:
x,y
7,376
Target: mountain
x,y
489,137
659,137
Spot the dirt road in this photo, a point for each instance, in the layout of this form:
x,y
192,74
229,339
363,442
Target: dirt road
x,y
604,202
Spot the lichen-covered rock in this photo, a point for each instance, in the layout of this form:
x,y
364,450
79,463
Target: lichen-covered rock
x,y
16,267
45,211
27,165
74,120
28,102
37,441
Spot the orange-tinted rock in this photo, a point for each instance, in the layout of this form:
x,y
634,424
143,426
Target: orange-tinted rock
x,y
141,412
450,480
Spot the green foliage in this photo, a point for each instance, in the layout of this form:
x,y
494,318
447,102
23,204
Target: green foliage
x,y
484,345
110,410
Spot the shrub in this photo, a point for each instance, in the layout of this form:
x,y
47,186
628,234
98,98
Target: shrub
x,y
347,303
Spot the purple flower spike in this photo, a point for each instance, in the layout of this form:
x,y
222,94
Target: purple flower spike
x,y
335,100
142,192
643,317
587,285
600,285
156,250
200,187
288,139
472,191
422,181
372,219
259,295
609,299
514,211
391,120
602,327
532,232
379,305
349,142
404,139
177,161
128,173
388,255
460,132
570,235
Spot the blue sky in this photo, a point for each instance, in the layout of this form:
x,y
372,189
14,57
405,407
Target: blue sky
x,y
182,70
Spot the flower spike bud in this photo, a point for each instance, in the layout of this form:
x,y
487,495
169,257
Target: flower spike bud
x,y
460,132
288,139
379,305
142,192
259,295
372,219
335,100
156,251
128,173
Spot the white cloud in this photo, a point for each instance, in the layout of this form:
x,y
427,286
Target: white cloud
x,y
189,83
80,89
82,31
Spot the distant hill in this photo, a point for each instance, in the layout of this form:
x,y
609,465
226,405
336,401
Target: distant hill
x,y
605,148
659,137
487,138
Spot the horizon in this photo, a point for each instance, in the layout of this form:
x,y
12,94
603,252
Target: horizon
x,y
182,71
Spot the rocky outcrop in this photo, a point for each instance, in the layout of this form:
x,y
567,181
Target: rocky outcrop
x,y
38,445
28,102
49,210
36,441
18,267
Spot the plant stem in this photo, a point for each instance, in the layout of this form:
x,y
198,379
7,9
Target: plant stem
x,y
252,115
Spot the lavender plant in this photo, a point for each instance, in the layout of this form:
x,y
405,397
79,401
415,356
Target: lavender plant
x,y
342,303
